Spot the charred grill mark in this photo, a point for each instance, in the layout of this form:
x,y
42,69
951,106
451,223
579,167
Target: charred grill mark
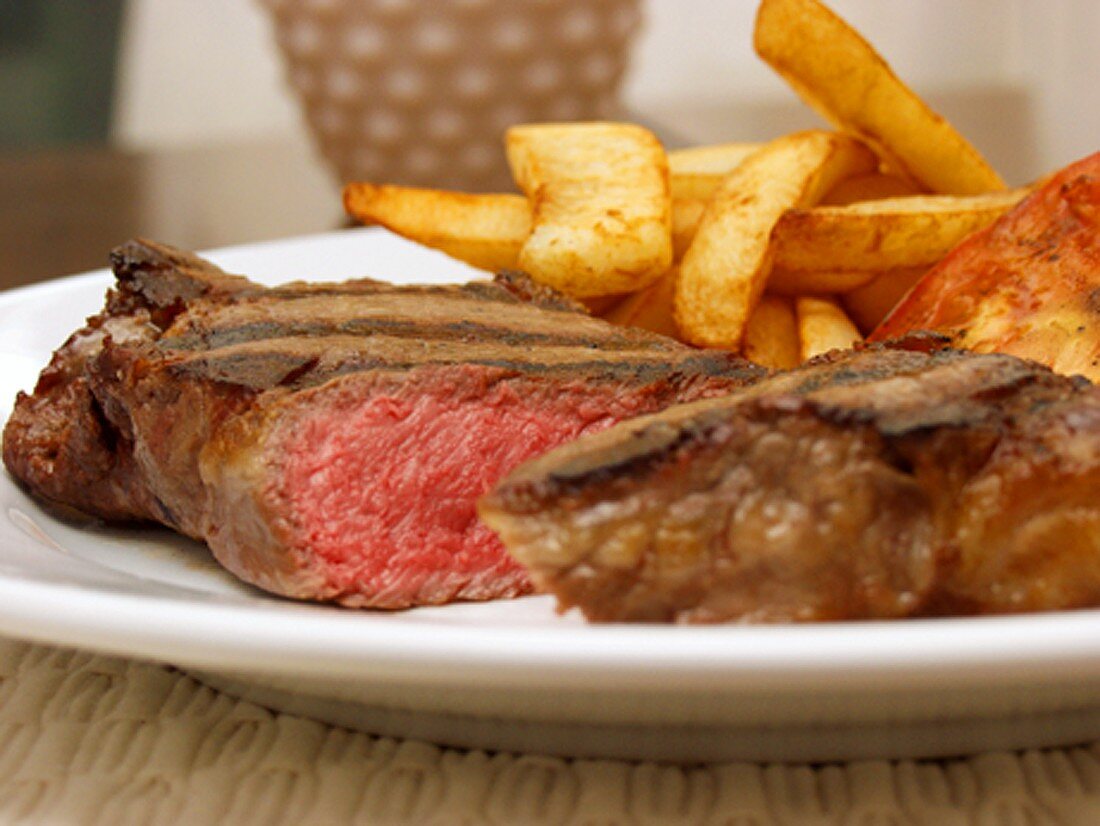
x,y
476,290
494,291
961,395
634,458
897,424
481,291
878,362
630,372
217,337
521,288
358,289
254,371
649,444
299,372
844,376
260,370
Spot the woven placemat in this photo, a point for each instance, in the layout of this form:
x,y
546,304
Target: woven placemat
x,y
97,740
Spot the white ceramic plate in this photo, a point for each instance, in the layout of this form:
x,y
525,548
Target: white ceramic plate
x,y
512,674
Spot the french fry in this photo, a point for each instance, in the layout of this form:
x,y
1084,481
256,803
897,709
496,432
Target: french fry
x,y
724,270
686,214
839,74
600,205
697,171
485,231
771,334
650,308
817,282
823,326
871,187
869,304
886,234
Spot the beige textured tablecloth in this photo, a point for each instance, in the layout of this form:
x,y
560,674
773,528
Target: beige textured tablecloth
x,y
96,740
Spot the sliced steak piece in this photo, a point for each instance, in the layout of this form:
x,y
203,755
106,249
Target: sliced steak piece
x,y
329,441
872,484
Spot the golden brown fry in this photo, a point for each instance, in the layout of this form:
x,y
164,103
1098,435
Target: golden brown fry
x,y
823,326
835,249
771,334
686,214
871,187
697,171
869,304
840,75
886,234
650,309
724,270
817,282
601,211
485,231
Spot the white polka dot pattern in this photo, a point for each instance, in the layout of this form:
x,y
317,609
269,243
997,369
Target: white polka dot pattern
x,y
410,92
93,740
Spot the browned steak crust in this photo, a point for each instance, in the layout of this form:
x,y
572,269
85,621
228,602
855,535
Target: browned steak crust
x,y
58,440
881,483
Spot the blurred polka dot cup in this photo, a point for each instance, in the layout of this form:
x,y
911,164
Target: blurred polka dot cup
x,y
420,91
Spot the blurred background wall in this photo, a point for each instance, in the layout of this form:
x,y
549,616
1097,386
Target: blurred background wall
x,y
1017,75
172,118
57,70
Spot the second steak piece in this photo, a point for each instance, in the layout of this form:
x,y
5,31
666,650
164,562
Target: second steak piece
x,y
873,484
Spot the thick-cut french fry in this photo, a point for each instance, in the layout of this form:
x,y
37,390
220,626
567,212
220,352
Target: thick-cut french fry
x,y
817,282
485,231
650,309
872,187
697,171
724,270
869,304
771,334
601,213
823,326
886,234
840,75
686,214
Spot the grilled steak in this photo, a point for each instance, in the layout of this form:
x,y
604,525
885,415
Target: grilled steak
x,y
872,484
329,441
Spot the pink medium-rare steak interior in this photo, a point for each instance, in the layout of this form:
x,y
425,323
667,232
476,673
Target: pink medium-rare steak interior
x,y
377,479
